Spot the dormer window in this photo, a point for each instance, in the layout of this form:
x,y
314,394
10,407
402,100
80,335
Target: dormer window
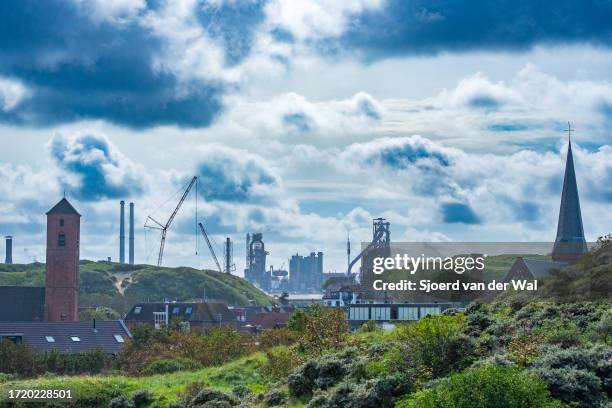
x,y
61,240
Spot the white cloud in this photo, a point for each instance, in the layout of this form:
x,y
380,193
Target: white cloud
x,y
316,19
12,93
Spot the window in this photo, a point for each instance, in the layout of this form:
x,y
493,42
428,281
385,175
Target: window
x,y
159,318
137,310
61,240
408,313
15,338
119,338
61,222
175,310
430,310
359,313
50,339
381,313
188,310
75,338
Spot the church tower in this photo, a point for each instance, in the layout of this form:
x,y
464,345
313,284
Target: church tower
x,y
570,244
62,265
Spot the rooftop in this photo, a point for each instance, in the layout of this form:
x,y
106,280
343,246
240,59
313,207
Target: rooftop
x,y
63,207
68,337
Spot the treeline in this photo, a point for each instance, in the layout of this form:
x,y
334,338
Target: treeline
x,y
17,360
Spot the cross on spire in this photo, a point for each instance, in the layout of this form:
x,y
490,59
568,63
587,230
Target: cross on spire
x,y
569,131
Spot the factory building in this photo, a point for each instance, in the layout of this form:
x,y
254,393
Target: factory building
x,y
255,271
306,273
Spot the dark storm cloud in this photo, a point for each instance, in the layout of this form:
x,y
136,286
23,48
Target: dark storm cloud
x,y
429,27
402,156
459,213
76,68
228,176
99,171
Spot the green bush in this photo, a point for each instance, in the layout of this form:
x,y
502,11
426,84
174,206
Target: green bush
x,y
121,402
376,393
280,362
277,337
323,372
241,391
602,329
142,398
369,327
477,322
485,387
435,345
208,395
571,385
301,381
274,398
577,374
18,359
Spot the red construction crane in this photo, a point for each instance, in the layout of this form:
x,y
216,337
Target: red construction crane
x,y
164,227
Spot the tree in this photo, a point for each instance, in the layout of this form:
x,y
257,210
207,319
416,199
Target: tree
x,y
325,330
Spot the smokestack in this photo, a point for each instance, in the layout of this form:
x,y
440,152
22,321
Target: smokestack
x,y
228,255
9,250
122,233
348,252
131,241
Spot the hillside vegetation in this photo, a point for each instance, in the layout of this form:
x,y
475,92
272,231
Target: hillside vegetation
x,y
119,286
550,350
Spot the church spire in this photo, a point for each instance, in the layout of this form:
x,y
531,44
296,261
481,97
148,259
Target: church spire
x,y
569,243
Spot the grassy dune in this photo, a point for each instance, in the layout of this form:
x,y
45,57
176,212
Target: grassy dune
x,y
120,286
92,391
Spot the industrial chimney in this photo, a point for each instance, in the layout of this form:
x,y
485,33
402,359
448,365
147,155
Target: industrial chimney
x,y
122,233
131,241
9,250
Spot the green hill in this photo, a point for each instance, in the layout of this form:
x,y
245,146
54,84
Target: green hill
x,y
119,286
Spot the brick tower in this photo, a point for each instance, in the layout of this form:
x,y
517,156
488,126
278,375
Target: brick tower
x,y
62,266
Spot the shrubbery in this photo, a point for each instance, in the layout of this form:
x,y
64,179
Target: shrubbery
x,y
277,337
280,362
19,360
579,375
207,348
435,345
326,329
485,387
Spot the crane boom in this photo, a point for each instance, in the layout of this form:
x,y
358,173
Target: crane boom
x,y
212,252
164,227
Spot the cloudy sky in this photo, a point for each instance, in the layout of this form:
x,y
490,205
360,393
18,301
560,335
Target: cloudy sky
x,y
303,120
